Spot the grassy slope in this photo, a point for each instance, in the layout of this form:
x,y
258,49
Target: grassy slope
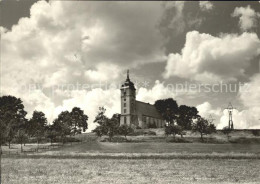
x,y
158,144
159,147
49,171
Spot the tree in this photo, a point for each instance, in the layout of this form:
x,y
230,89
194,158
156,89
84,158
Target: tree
x,y
3,133
21,137
51,133
62,125
78,121
100,131
107,126
101,118
173,130
168,108
125,130
202,126
112,127
186,115
12,115
37,125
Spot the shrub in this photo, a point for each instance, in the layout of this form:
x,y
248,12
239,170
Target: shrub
x,y
150,133
152,125
256,132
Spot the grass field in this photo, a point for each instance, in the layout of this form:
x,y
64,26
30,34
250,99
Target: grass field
x,y
162,147
152,160
51,171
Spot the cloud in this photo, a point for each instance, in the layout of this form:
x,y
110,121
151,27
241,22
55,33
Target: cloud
x,y
206,5
59,44
205,110
158,91
92,42
209,59
103,73
175,21
90,101
247,17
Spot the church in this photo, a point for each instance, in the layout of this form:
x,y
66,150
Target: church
x,y
136,113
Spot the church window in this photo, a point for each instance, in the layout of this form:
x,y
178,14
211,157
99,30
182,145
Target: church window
x,y
124,99
124,104
124,110
124,120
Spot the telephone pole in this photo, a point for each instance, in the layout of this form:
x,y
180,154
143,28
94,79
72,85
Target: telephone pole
x,y
230,109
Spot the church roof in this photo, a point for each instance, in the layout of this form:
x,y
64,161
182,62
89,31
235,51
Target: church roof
x,y
128,82
147,110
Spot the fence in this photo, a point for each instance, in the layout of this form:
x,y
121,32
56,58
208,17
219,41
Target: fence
x,y
37,149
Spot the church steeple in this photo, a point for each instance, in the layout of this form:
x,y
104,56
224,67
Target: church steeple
x,y
127,75
128,82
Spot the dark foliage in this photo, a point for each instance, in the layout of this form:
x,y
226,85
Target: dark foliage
x,y
12,117
186,115
168,108
203,127
125,130
107,126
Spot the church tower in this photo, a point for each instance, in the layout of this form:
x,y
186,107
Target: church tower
x,y
128,102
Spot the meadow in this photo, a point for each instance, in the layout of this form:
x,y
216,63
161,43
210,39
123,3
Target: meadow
x,y
147,159
61,171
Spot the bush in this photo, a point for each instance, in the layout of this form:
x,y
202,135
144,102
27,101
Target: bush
x,y
150,133
152,125
256,132
138,127
178,140
114,139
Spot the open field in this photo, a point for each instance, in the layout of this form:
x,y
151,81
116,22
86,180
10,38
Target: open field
x,y
52,171
161,147
152,160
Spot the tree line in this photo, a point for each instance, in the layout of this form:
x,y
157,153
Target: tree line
x,y
15,126
181,118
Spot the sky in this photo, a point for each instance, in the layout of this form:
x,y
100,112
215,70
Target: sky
x,y
56,55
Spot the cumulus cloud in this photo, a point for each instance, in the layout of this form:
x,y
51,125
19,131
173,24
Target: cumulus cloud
x,y
205,110
248,17
103,72
206,5
59,44
90,101
158,91
89,43
209,59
